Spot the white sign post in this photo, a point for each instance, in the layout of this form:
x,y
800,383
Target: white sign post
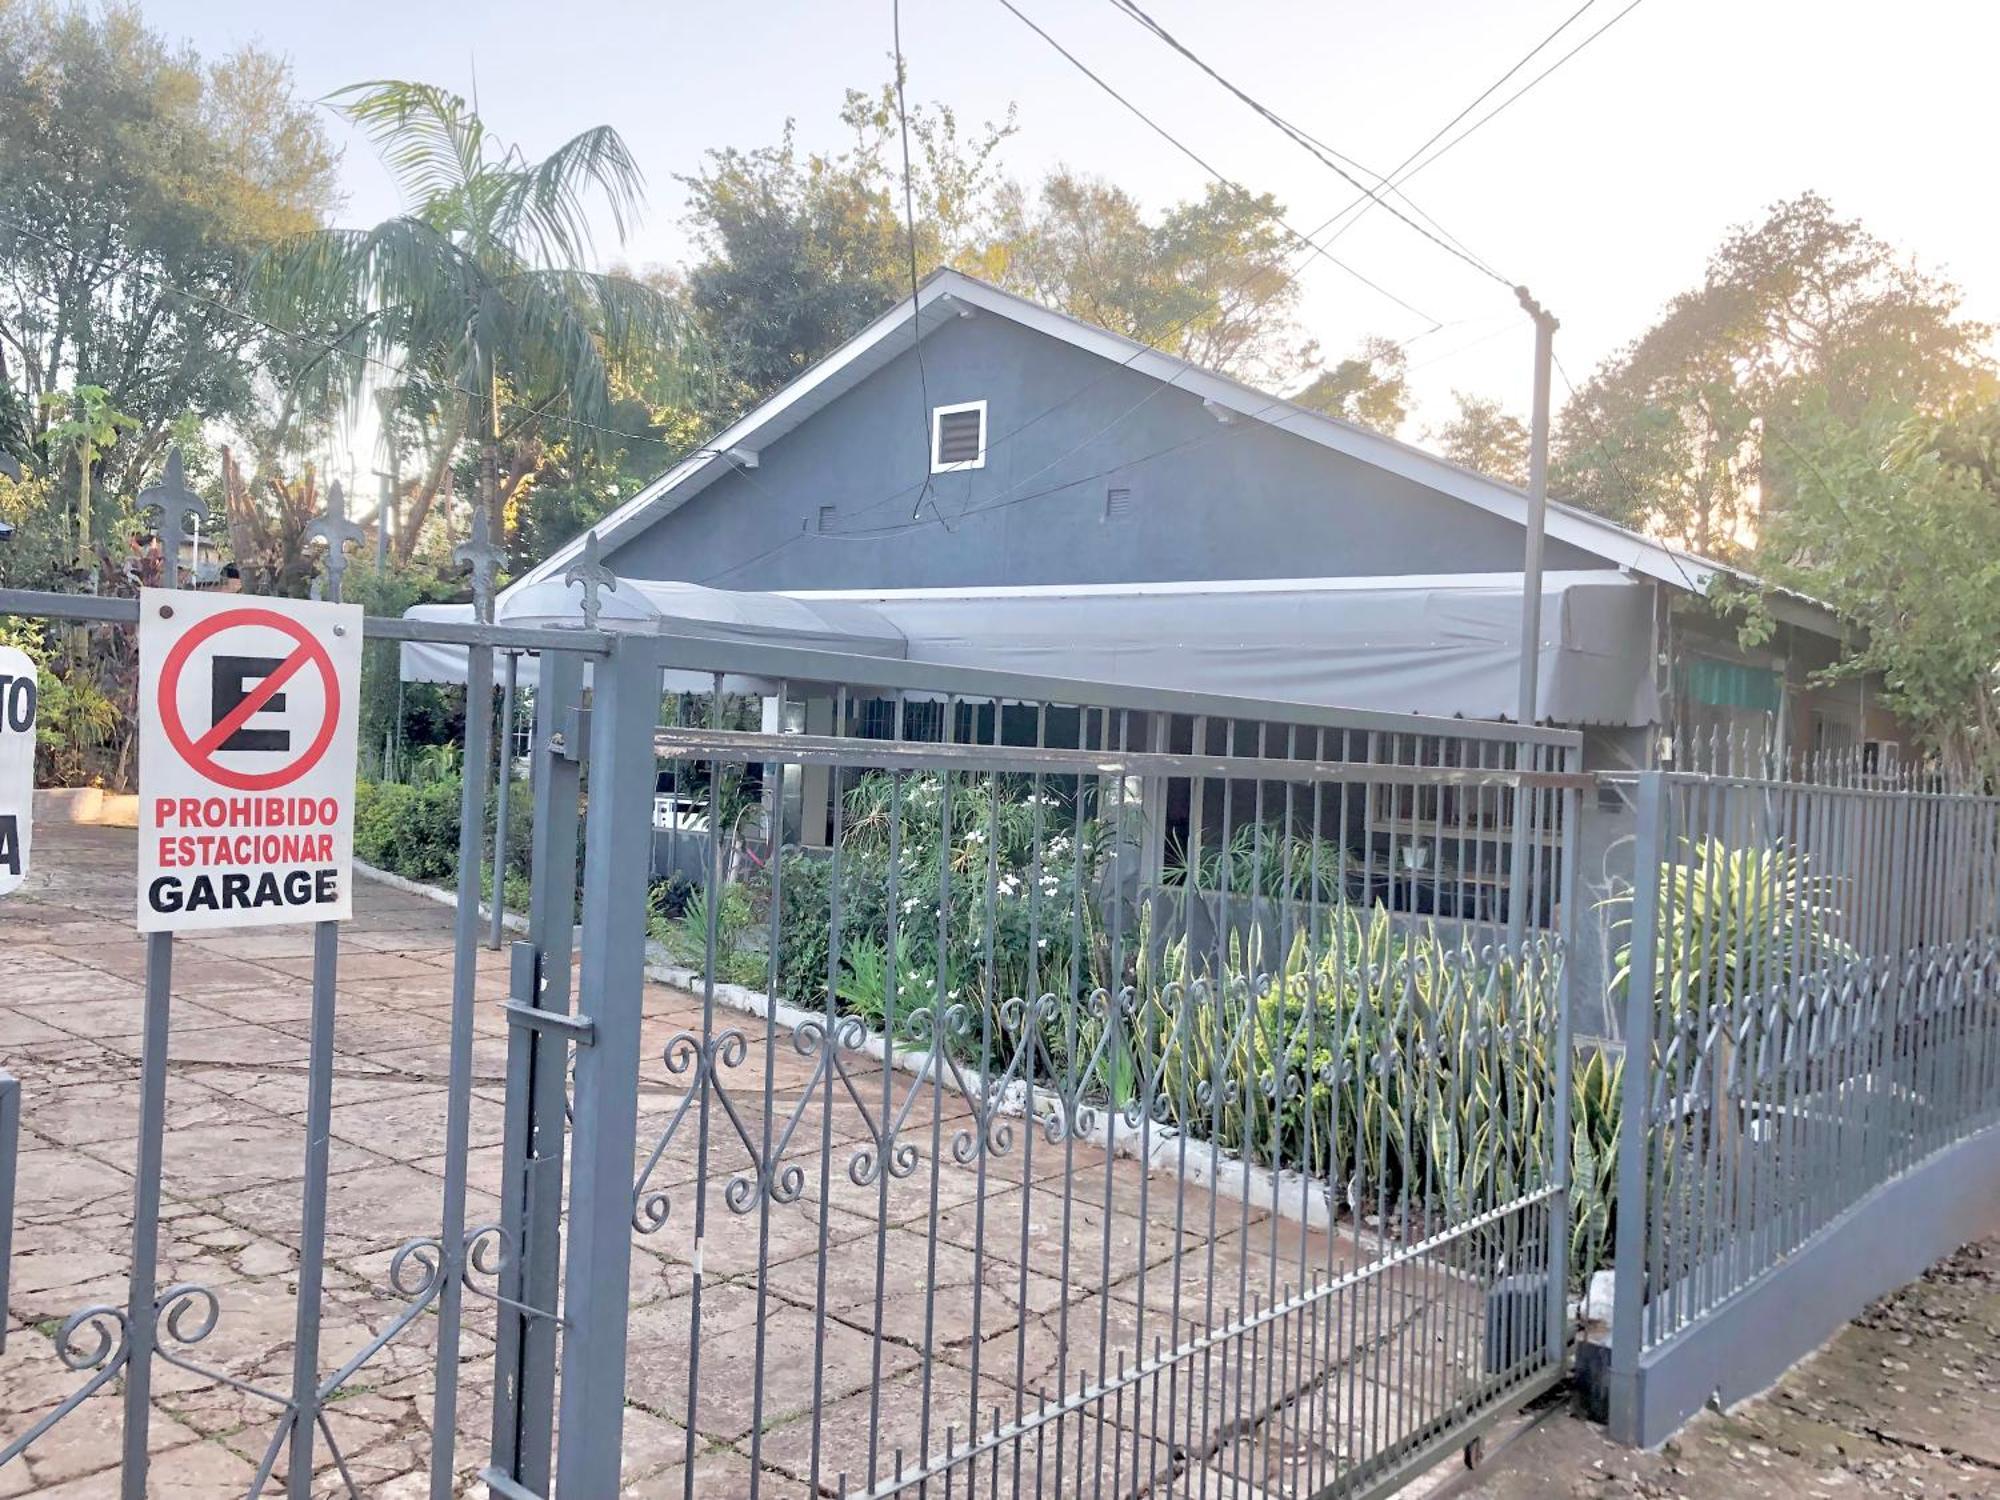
x,y
18,691
247,718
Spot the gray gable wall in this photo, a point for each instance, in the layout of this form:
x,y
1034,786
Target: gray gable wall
x,y
1208,501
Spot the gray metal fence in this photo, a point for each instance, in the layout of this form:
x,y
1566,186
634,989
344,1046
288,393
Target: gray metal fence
x,y
1812,1083
1108,1098
113,1351
1090,1092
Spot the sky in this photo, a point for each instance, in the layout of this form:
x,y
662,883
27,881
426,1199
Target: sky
x,y
1603,190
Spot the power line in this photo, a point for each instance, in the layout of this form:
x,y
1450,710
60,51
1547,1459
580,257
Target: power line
x,y
1132,9
1510,100
910,232
1392,180
1310,250
1194,156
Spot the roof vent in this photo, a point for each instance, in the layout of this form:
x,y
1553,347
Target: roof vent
x,y
958,437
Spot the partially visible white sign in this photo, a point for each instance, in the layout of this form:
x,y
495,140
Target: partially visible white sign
x,y
18,693
247,714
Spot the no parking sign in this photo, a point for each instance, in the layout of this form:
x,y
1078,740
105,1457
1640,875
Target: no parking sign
x,y
247,717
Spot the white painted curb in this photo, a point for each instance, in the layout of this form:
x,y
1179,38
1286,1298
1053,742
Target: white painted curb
x,y
90,805
512,921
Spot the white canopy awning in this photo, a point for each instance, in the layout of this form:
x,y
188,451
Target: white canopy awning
x,y
1437,644
649,607
1446,644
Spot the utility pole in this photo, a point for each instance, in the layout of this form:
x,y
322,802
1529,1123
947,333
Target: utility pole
x,y
1538,510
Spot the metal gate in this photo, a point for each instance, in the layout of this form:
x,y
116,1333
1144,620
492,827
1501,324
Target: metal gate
x,y
1092,1092
440,1298
1043,1090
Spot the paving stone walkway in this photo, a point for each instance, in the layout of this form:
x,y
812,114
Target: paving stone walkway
x,y
905,1267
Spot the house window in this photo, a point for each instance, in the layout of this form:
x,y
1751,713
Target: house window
x,y
958,437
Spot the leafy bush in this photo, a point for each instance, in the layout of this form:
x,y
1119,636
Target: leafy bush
x,y
1409,1071
1258,859
1594,1109
1730,920
410,830
1040,928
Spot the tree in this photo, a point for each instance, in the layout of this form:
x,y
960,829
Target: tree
x,y
479,288
1208,281
799,249
88,426
1370,387
137,185
1893,521
267,514
1484,438
1672,433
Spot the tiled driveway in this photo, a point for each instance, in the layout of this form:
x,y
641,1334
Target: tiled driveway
x,y
944,1293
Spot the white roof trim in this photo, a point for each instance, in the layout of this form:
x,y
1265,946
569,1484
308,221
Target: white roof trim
x,y
1593,534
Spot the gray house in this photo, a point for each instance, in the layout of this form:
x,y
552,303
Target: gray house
x,y
974,479
1017,488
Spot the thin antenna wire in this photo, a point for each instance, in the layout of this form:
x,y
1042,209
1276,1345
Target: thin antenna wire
x,y
916,310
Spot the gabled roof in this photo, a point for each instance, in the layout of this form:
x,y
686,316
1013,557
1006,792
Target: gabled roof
x,y
946,294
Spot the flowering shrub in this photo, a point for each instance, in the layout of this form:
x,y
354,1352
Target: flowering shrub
x,y
973,884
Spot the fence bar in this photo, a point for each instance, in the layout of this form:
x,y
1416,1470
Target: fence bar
x,y
1628,1306
537,1100
506,761
10,1156
1560,1208
312,1214
142,1329
458,1096
625,705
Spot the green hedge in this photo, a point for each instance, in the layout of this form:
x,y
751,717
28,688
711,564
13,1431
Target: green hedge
x,y
411,830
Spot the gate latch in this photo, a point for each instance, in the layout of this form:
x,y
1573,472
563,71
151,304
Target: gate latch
x,y
525,989
572,741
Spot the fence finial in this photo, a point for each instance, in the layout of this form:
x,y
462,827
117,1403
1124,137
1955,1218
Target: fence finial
x,y
590,572
175,502
479,554
339,533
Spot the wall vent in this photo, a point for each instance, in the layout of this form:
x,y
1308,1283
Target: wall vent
x,y
1118,502
828,514
958,437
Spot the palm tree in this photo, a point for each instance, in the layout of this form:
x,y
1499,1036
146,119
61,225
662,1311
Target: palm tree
x,y
477,292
